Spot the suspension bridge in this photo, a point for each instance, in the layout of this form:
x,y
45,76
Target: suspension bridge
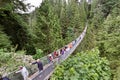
x,y
50,67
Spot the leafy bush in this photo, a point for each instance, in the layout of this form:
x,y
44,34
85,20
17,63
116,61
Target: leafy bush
x,y
83,66
39,54
4,56
109,38
4,39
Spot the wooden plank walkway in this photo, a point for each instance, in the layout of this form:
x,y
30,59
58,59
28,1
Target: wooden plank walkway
x,y
45,67
49,68
35,74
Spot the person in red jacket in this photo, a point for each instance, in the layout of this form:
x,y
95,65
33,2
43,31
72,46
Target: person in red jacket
x,y
55,54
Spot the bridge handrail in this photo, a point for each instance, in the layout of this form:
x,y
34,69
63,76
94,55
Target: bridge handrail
x,y
50,67
49,70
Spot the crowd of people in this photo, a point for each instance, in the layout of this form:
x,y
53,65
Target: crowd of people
x,y
55,56
60,53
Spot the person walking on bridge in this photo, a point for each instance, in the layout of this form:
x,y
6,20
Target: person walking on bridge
x,y
24,72
50,58
39,64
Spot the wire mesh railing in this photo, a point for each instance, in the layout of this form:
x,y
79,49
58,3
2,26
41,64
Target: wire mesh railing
x,y
47,72
48,66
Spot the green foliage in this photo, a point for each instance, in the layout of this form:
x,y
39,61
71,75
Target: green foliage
x,y
13,5
117,77
107,6
83,66
57,23
89,40
39,54
108,42
30,49
4,56
110,37
13,25
47,35
106,21
4,39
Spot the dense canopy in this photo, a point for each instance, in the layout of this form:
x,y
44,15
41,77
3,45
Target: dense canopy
x,y
56,23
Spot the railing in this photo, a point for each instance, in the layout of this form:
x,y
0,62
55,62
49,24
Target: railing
x,y
49,68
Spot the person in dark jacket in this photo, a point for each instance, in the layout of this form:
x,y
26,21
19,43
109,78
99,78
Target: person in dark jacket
x,y
39,64
4,78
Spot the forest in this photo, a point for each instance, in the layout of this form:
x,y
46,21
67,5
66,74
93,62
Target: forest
x,y
56,23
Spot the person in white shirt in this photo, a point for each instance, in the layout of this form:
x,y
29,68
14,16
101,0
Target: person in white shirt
x,y
50,58
24,72
67,49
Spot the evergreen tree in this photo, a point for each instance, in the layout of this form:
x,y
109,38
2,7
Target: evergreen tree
x,y
4,39
13,25
48,31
